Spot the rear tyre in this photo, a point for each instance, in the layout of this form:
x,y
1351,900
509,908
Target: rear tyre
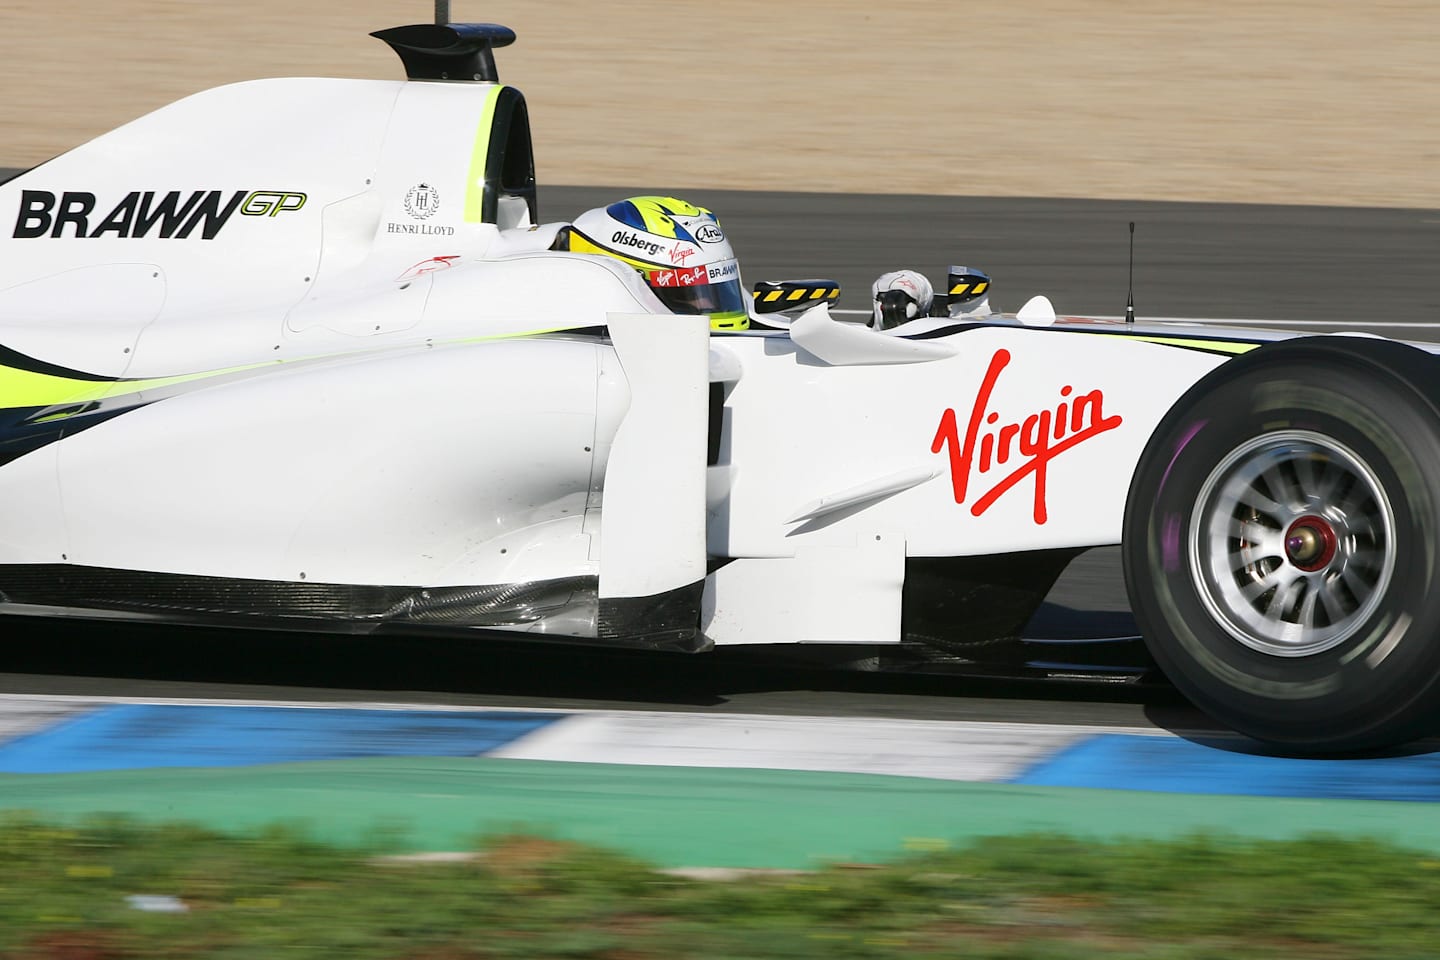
x,y
1280,544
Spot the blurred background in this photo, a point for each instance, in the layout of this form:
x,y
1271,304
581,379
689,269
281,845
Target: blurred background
x,y
1286,101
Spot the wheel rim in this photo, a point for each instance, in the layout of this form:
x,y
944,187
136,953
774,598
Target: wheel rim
x,y
1292,543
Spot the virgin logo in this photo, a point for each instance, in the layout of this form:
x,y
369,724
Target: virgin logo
x,y
1024,447
428,266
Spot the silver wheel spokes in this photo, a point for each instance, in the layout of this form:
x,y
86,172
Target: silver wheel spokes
x,y
1292,543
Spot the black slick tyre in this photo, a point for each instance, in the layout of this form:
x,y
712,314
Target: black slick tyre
x,y
1281,538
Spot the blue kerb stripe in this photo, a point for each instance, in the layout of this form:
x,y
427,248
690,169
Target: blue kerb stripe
x,y
1172,765
132,737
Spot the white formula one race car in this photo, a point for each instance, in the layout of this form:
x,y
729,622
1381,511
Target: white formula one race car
x,y
318,382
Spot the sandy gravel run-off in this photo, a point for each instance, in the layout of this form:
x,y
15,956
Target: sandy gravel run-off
x,y
1278,101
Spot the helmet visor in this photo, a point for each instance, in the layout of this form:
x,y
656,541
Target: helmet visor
x,y
713,290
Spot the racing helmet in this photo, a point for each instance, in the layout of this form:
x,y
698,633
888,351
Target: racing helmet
x,y
676,246
898,297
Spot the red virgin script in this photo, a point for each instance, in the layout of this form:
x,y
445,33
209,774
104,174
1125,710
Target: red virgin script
x,y
1038,439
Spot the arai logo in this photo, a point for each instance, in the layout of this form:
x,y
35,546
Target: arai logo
x,y
709,233
421,201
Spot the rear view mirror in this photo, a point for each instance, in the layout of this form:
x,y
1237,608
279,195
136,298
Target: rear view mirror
x,y
773,296
968,292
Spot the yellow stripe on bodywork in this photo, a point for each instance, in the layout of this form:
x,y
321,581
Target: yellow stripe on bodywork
x,y
1214,346
520,334
479,155
25,388
22,388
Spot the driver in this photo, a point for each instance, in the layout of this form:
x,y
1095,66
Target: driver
x,y
676,246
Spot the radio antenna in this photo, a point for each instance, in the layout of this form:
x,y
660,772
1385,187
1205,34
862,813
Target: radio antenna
x,y
442,12
1130,298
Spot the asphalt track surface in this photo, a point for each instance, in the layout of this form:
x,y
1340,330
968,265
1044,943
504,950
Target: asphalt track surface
x,y
1329,268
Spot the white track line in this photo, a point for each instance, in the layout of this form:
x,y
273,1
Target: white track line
x,y
18,719
62,702
938,749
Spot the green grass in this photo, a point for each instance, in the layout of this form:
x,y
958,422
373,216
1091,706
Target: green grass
x,y
63,893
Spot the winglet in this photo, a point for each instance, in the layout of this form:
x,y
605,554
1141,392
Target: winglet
x,y
454,51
